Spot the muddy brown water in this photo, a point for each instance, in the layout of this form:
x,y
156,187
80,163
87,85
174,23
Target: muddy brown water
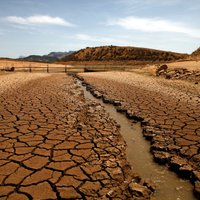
x,y
169,185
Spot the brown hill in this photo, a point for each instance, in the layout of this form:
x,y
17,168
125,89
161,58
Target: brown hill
x,y
115,53
196,54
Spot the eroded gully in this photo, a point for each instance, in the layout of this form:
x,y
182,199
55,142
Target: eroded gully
x,y
169,185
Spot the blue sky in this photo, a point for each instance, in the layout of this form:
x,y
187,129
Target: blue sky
x,y
41,26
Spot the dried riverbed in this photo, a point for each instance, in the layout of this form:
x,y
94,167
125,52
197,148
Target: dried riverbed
x,y
169,111
56,145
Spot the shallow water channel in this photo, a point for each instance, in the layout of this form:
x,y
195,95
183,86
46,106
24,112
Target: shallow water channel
x,y
169,185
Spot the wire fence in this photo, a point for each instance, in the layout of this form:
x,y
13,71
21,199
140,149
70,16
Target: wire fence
x,y
66,69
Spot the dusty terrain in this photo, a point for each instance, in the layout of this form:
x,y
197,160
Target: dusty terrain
x,y
26,66
56,145
19,64
189,65
169,111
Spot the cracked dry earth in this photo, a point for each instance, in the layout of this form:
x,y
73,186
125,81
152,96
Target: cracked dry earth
x,y
171,113
55,145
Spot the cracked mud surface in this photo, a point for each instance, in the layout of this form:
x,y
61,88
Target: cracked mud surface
x,y
171,113
55,145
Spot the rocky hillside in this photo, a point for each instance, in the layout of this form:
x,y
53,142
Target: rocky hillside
x,y
115,53
51,57
196,54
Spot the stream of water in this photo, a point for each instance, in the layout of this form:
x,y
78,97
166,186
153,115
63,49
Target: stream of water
x,y
170,186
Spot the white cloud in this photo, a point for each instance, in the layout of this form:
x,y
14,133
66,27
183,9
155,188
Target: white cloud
x,y
148,2
103,40
85,37
38,19
153,25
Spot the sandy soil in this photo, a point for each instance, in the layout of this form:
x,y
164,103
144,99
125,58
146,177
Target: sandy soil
x,y
13,63
171,112
55,145
189,65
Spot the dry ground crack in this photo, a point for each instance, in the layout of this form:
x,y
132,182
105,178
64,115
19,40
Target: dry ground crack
x,y
168,109
55,145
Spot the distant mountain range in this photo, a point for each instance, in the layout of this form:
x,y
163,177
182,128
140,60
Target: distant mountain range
x,y
51,57
116,53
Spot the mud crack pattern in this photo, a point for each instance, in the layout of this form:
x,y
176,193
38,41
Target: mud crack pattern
x,y
169,111
55,145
